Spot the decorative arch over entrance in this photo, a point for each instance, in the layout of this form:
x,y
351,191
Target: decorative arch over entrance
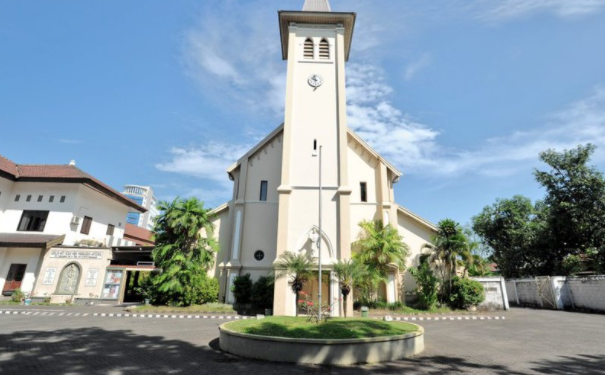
x,y
70,279
306,244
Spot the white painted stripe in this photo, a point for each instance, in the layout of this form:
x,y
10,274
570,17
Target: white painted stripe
x,y
166,316
118,315
127,315
197,316
111,314
205,316
85,314
103,314
36,313
459,318
189,316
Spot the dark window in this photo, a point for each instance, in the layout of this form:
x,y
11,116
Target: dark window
x,y
324,50
29,198
62,198
364,191
263,190
315,145
259,255
309,49
40,197
17,197
86,225
51,198
110,228
33,221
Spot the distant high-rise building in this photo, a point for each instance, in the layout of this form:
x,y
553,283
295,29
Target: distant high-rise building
x,y
143,195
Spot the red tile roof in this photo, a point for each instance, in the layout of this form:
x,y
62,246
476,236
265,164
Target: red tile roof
x,y
138,235
62,173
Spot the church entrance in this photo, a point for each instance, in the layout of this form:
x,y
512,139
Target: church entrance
x,y
311,289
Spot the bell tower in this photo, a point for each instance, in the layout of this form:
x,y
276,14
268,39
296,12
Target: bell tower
x,y
316,43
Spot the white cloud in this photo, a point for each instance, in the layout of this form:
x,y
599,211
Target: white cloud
x,y
417,65
494,11
69,141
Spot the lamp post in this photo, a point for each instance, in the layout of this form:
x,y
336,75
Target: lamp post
x,y
319,241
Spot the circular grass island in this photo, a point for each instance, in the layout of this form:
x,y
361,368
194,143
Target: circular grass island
x,y
339,341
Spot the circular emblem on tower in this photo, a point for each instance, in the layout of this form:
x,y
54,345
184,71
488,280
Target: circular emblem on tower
x,y
315,80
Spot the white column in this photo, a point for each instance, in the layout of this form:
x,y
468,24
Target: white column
x,y
237,235
391,288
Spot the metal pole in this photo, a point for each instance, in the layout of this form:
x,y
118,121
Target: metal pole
x,y
319,240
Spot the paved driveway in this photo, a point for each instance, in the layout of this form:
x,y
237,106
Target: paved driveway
x,y
528,341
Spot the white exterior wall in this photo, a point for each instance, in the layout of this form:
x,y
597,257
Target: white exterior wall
x,y
31,257
6,190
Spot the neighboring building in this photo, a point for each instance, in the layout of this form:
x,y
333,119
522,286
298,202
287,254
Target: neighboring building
x,y
139,236
275,202
143,195
57,226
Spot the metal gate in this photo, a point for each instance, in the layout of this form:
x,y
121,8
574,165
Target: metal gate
x,y
546,294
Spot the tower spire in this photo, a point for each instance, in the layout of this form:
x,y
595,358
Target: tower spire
x,y
317,6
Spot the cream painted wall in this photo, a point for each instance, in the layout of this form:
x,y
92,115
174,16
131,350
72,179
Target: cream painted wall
x,y
264,165
10,256
362,168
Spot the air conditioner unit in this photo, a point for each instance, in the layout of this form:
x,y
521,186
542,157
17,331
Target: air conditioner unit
x,y
75,220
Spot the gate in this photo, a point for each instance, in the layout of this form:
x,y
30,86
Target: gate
x,y
546,294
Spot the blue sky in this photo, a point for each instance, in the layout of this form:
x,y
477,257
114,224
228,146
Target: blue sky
x,y
461,95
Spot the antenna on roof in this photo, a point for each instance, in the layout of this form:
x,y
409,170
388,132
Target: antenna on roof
x,y
73,162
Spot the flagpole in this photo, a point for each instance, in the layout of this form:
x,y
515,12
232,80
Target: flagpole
x,y
319,239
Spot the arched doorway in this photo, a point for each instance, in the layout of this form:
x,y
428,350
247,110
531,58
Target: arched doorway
x,y
69,280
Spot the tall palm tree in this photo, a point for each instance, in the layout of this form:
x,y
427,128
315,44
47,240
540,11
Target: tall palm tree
x,y
346,273
448,245
181,251
298,266
380,246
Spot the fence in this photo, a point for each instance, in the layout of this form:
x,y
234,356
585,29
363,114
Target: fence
x,y
495,293
558,292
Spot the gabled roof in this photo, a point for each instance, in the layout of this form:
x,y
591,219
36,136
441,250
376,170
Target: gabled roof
x,y
220,208
373,152
61,173
419,219
138,235
317,6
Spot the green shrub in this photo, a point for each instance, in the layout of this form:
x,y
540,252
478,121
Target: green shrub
x,y
426,284
207,291
466,293
17,295
242,289
262,293
396,306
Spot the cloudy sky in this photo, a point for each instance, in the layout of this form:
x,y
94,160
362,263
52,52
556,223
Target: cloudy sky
x,y
461,95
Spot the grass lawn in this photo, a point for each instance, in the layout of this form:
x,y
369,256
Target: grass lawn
x,y
9,302
411,310
207,308
337,328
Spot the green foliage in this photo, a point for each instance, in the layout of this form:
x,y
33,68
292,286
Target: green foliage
x,y
571,264
262,292
427,284
466,293
347,273
242,289
298,266
17,295
379,246
207,291
183,254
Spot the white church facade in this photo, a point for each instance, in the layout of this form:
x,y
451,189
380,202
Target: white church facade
x,y
275,205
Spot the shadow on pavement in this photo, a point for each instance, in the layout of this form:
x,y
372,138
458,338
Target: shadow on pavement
x,y
98,351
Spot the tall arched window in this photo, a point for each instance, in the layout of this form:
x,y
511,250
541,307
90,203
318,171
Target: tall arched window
x,y
308,50
324,50
69,280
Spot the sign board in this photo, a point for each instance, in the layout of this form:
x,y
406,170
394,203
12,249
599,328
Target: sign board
x,y
76,254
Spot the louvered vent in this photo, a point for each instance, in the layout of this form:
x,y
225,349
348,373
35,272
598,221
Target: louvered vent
x,y
309,49
324,50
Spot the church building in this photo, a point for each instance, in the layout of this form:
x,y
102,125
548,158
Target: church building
x,y
311,172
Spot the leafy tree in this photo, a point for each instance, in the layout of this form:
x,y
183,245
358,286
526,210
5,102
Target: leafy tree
x,y
298,266
182,253
448,245
514,229
380,247
575,195
426,283
242,289
262,292
346,273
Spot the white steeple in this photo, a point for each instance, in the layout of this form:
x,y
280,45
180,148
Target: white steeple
x,y
317,6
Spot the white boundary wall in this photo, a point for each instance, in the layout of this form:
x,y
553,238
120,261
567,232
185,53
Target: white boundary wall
x,y
566,292
495,292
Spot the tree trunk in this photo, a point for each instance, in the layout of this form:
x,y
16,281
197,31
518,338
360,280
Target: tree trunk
x,y
344,301
296,305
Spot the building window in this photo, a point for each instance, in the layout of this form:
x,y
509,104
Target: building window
x,y
86,225
308,50
324,50
110,228
363,187
263,191
28,199
17,197
62,198
40,197
51,198
259,255
33,221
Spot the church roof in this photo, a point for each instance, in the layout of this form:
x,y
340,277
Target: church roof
x,y
317,6
419,219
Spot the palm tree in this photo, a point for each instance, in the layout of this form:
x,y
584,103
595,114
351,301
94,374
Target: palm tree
x,y
298,265
380,246
346,273
448,245
181,251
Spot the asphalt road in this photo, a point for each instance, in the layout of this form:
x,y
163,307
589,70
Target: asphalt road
x,y
527,341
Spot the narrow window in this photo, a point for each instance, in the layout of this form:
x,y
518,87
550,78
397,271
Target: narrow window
x,y
62,198
40,197
308,50
110,228
315,145
86,225
263,191
51,198
17,197
33,221
364,191
324,50
28,199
